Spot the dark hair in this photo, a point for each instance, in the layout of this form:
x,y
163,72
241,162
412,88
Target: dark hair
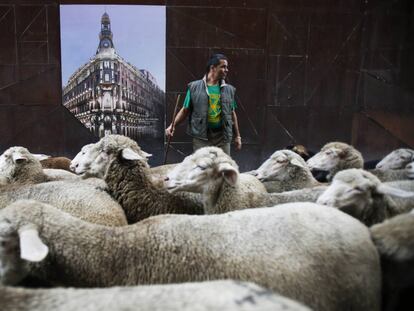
x,y
215,60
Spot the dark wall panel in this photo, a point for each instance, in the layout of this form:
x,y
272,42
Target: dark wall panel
x,y
306,72
30,84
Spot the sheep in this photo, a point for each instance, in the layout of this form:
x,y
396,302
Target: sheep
x,y
390,175
334,157
99,151
285,170
62,163
129,182
409,170
394,239
201,296
407,184
215,175
362,195
80,199
162,170
335,266
19,166
397,159
83,159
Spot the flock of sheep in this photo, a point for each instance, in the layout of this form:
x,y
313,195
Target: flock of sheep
x,y
106,231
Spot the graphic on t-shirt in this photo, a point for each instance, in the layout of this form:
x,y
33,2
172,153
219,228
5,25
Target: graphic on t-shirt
x,y
214,110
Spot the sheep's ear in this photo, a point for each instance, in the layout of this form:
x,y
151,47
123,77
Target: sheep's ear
x,y
129,154
296,162
230,174
385,189
40,156
145,154
31,247
253,172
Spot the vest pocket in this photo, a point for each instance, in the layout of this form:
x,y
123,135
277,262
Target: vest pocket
x,y
198,126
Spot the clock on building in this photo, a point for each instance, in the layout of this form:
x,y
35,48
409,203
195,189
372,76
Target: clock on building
x,y
105,43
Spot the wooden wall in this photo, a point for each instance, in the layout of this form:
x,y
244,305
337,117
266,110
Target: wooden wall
x,y
306,72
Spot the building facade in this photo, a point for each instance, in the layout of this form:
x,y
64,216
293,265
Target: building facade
x,y
111,96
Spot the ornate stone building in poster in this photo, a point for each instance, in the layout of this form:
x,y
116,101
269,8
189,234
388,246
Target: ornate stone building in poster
x,y
111,96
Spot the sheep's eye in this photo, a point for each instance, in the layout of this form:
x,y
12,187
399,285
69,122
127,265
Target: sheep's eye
x,y
201,167
281,161
328,152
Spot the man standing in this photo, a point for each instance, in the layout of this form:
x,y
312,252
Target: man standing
x,y
210,104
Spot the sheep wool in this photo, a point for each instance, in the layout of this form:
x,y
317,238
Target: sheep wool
x,y
215,175
362,195
335,266
129,182
202,296
80,199
335,157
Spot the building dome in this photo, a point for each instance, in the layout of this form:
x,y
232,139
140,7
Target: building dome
x,y
105,19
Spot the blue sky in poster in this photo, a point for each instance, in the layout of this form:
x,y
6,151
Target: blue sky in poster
x,y
138,36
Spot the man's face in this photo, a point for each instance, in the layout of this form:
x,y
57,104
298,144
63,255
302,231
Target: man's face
x,y
220,71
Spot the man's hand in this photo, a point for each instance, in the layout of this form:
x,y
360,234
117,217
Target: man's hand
x,y
237,142
169,131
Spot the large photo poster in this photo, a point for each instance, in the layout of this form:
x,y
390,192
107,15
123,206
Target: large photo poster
x,y
113,69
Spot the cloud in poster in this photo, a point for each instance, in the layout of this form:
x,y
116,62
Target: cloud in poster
x,y
138,36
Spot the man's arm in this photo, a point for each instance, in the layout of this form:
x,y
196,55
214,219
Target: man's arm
x,y
237,138
180,117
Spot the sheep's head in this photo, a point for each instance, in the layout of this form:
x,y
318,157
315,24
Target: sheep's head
x,y
397,159
355,192
409,169
280,166
97,157
206,168
336,156
17,159
18,247
82,161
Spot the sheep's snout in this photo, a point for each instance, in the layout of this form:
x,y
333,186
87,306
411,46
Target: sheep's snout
x,y
410,170
73,167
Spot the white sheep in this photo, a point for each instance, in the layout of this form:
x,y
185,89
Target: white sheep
x,y
98,153
162,170
83,159
362,195
19,166
337,156
307,252
397,159
81,199
407,184
285,170
196,296
215,175
334,157
389,175
394,239
409,170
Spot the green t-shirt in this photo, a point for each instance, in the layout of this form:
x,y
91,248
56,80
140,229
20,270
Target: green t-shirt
x,y
214,107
